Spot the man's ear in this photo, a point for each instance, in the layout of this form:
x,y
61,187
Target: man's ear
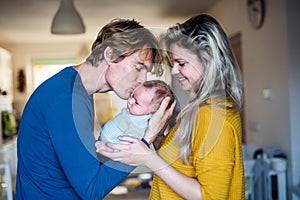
x,y
108,54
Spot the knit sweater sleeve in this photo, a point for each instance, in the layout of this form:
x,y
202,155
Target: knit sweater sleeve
x,y
72,136
216,157
216,152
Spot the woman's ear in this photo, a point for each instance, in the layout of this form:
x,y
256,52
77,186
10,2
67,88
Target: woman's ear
x,y
108,54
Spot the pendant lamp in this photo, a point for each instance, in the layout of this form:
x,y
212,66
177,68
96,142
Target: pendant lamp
x,y
67,20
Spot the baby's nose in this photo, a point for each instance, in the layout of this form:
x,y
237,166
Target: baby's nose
x,y
131,100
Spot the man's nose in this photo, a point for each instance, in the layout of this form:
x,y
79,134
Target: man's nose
x,y
142,77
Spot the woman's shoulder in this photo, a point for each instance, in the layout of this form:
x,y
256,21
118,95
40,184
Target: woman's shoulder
x,y
222,113
216,106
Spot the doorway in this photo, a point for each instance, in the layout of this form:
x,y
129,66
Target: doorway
x,y
236,44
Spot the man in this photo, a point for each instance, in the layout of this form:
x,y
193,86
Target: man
x,y
56,153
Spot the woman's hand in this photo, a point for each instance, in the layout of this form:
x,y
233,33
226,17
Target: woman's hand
x,y
100,146
136,153
159,120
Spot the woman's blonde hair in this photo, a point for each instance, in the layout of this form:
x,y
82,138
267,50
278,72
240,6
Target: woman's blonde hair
x,y
222,81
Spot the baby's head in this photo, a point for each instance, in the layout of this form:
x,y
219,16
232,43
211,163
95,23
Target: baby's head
x,y
147,97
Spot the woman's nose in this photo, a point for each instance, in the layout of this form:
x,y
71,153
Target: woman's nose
x,y
175,70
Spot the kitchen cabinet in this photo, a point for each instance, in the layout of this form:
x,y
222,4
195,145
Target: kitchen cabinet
x,y
8,169
5,105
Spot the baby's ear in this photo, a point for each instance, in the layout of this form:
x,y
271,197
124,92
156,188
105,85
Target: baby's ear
x,y
154,108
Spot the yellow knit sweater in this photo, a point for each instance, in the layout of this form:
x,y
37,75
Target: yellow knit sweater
x,y
216,160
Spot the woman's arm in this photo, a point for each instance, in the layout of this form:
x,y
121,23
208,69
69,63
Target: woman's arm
x,y
187,187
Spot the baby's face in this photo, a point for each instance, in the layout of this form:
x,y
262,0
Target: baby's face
x,y
140,101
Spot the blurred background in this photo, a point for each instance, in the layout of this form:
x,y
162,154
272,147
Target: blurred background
x,y
267,52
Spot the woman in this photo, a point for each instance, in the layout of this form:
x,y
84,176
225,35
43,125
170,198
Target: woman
x,y
201,157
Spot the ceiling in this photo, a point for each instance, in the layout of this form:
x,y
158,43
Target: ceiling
x,y
29,21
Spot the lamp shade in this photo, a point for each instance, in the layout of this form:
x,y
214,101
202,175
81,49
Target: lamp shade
x,y
67,20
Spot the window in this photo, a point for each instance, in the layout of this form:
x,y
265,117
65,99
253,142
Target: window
x,y
44,69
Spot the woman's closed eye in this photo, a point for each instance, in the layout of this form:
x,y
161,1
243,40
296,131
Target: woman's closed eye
x,y
181,64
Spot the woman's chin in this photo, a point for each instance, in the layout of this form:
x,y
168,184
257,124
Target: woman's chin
x,y
186,87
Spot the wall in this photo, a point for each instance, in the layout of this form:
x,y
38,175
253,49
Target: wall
x,y
293,8
24,54
269,62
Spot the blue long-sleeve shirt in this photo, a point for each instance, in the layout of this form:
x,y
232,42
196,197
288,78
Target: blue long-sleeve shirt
x,y
56,153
